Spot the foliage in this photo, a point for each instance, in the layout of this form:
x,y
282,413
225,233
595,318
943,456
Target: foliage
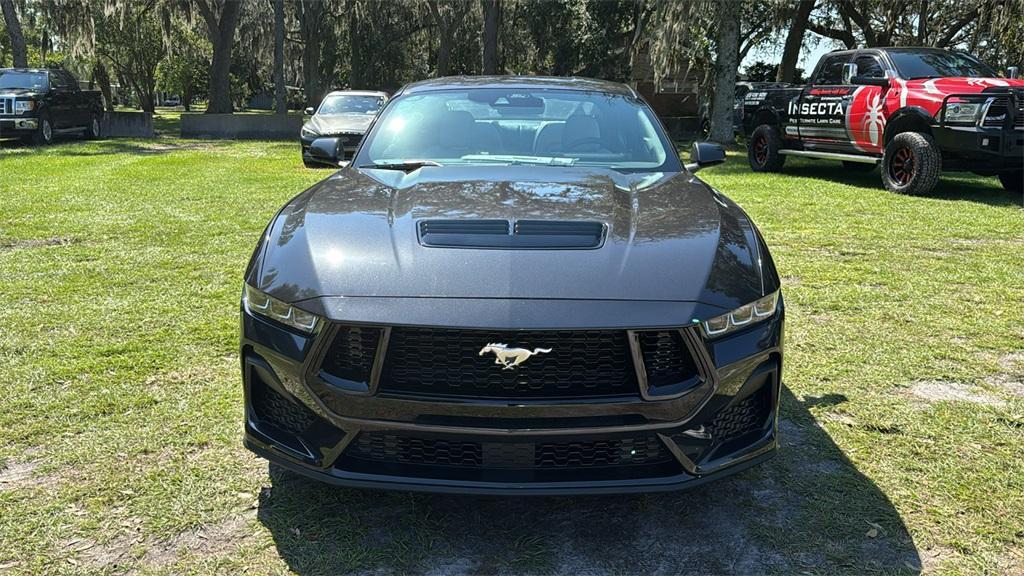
x,y
761,71
132,42
186,72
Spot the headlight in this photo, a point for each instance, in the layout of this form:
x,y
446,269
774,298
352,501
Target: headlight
x,y
259,303
24,106
961,111
756,311
307,133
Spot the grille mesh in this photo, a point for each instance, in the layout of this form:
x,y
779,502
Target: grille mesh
x,y
441,362
273,408
352,352
400,449
667,359
747,415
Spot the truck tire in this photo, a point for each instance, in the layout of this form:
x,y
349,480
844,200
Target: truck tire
x,y
911,164
763,149
92,131
44,132
1013,181
858,166
705,129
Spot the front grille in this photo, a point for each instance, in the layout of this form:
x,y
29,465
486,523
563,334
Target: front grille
x,y
392,448
667,359
995,117
351,354
449,362
747,415
274,409
6,105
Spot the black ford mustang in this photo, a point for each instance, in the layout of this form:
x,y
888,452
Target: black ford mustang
x,y
514,287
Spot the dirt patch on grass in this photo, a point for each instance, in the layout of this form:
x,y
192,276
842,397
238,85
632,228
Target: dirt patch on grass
x,y
17,474
1011,376
11,245
942,390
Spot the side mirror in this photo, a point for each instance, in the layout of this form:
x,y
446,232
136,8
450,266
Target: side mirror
x,y
309,111
704,154
327,151
1013,72
849,71
870,81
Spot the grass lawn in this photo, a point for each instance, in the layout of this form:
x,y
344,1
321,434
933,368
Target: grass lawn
x,y
120,421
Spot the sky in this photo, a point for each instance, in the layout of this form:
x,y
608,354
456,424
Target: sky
x,y
814,47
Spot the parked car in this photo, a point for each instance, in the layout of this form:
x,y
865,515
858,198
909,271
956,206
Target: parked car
x,y
36,104
916,111
345,114
514,287
173,101
742,89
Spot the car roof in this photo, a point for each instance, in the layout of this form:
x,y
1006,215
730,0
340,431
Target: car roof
x,y
525,82
26,70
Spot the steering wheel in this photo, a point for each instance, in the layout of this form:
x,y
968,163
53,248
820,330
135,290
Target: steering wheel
x,y
591,141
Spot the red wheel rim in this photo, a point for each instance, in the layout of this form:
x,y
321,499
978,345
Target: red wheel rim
x,y
761,149
902,167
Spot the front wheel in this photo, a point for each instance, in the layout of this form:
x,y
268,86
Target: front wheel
x,y
44,132
763,149
1013,181
911,164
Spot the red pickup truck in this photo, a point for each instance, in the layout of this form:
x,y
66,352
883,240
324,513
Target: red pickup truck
x,y
915,111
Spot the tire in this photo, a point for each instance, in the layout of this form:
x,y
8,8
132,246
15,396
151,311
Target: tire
x,y
92,131
705,129
763,149
44,132
911,164
1013,181
858,166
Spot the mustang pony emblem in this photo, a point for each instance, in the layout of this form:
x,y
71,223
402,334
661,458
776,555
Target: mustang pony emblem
x,y
509,358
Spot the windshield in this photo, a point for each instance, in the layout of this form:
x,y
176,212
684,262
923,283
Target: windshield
x,y
350,105
518,126
28,80
930,64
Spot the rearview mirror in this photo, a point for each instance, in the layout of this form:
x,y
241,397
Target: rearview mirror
x,y
326,151
1013,72
849,71
309,111
870,81
704,154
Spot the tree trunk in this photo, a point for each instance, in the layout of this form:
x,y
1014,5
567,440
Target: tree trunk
x,y
444,51
726,61
14,32
794,41
221,30
310,16
356,74
280,92
99,72
492,16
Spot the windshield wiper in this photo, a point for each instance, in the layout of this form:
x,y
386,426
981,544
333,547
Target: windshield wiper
x,y
404,165
513,159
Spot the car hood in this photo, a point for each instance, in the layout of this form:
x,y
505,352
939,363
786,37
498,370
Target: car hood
x,y
22,92
338,123
669,237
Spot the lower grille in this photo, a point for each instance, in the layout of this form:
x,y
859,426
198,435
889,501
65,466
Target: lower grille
x,y
446,362
274,409
604,453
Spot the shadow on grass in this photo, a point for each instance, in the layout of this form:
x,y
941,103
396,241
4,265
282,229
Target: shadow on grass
x,y
952,186
808,510
71,147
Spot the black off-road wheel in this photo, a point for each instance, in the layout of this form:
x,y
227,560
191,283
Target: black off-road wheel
x,y
763,149
858,166
92,131
1013,181
911,164
44,131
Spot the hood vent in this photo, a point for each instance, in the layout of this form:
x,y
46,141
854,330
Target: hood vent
x,y
520,235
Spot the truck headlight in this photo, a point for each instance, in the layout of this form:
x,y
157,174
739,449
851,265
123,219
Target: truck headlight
x,y
22,106
757,311
261,304
962,111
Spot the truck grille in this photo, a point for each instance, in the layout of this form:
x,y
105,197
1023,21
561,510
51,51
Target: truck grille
x,y
447,362
6,105
995,117
386,447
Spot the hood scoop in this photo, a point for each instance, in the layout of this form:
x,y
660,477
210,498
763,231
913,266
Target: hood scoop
x,y
517,235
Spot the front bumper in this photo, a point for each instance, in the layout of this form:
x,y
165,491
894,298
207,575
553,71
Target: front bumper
x,y
17,126
629,443
349,144
993,145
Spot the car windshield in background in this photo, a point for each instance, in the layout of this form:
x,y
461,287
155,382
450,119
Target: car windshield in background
x,y
517,126
25,80
350,105
927,64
